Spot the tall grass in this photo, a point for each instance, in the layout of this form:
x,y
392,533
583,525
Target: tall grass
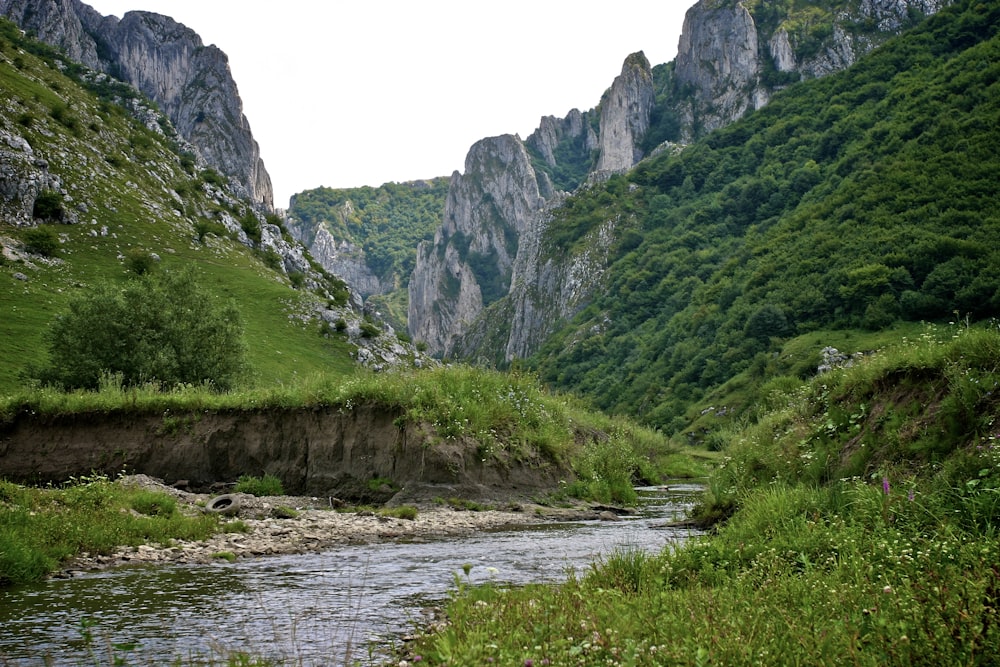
x,y
865,509
41,528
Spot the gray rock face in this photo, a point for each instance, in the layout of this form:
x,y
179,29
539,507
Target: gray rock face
x,y
494,219
22,178
553,131
625,113
469,263
720,55
347,261
167,62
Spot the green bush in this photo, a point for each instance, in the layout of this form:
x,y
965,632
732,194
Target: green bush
x,y
42,241
407,512
139,262
159,328
213,177
48,206
369,330
268,485
153,503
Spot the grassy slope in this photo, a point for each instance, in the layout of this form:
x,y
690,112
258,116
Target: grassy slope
x,y
864,508
126,176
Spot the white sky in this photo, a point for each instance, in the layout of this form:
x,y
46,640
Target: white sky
x,y
363,92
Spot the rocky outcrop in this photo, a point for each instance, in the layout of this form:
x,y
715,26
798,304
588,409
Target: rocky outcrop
x,y
625,112
727,49
23,176
347,261
167,62
553,134
718,59
469,263
496,214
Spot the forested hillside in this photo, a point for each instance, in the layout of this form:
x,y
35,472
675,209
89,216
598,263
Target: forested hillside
x,y
367,236
857,201
387,222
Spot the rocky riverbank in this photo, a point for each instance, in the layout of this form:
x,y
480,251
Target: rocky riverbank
x,y
292,524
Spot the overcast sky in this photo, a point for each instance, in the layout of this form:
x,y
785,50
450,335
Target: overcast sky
x,y
365,92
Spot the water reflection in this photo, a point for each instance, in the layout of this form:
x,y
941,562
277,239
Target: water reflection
x,y
307,609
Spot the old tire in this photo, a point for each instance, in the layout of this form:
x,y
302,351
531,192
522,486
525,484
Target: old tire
x,y
226,504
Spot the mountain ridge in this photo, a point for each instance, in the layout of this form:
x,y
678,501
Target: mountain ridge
x,y
676,103
169,63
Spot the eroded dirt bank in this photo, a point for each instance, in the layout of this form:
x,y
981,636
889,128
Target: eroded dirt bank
x,y
315,452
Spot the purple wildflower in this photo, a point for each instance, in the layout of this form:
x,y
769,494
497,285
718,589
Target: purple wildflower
x,y
885,485
910,495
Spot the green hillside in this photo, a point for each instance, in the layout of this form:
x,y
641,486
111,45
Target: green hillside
x,y
858,203
387,222
132,193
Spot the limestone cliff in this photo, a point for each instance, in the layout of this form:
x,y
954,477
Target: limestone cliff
x,y
625,112
168,63
733,55
495,216
469,263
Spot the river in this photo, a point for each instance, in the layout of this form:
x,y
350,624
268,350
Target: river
x,y
310,609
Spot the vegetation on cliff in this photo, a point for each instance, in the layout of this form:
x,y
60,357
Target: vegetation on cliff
x,y
387,222
860,201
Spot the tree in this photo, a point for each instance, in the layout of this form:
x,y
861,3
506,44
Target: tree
x,y
158,327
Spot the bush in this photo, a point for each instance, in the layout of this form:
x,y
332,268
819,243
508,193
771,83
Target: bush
x,y
41,241
268,485
48,206
157,328
139,262
212,177
153,503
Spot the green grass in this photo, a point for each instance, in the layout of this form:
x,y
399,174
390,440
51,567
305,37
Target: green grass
x,y
41,528
119,177
265,485
895,564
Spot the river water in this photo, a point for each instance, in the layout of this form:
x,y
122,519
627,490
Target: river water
x,y
311,609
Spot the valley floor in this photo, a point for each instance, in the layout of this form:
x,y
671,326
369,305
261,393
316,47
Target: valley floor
x,y
289,525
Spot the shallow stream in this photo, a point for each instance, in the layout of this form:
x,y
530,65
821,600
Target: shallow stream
x,y
308,609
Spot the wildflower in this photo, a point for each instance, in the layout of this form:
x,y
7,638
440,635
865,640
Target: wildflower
x,y
910,495
887,589
885,485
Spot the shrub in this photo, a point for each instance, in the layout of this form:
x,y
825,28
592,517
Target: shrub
x,y
407,512
268,485
160,327
251,227
369,330
48,206
212,177
282,512
271,259
62,115
139,262
41,241
153,503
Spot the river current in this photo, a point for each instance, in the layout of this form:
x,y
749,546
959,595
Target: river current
x,y
310,609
